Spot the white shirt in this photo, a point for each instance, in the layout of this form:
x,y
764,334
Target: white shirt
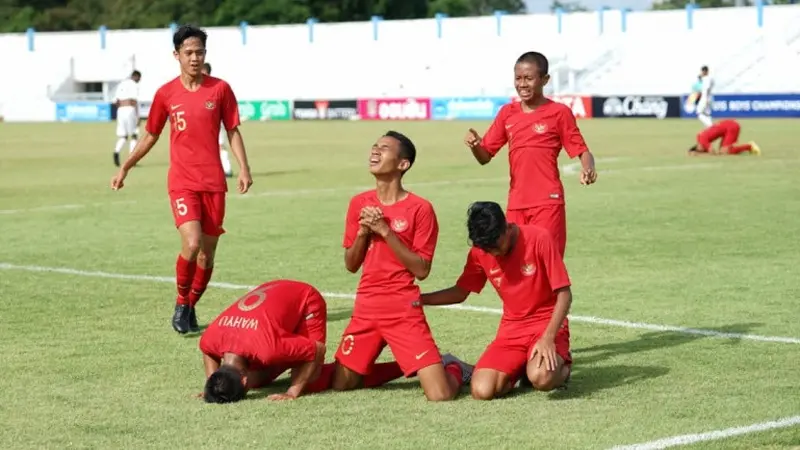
x,y
707,86
127,90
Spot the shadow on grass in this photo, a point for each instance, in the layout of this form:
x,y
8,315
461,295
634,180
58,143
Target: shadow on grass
x,y
590,380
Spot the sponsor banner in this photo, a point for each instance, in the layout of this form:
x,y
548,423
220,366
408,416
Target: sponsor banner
x,y
325,109
395,109
467,108
656,106
265,110
581,106
83,112
748,105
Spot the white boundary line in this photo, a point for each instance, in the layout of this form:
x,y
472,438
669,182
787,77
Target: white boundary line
x,y
687,439
567,169
482,309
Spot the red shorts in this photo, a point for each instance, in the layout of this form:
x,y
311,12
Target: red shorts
x,y
208,208
552,218
731,135
409,338
511,350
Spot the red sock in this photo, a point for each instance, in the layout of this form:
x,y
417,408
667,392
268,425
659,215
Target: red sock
x,y
184,273
382,374
324,381
199,284
454,369
736,149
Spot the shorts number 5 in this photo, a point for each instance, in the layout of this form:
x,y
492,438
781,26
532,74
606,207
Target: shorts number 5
x,y
180,207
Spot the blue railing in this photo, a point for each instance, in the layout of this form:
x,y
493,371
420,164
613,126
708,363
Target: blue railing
x,y
440,18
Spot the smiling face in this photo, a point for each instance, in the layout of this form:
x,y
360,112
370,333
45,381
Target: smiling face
x,y
528,80
384,157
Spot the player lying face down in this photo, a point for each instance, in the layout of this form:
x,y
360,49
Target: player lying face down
x,y
524,265
727,131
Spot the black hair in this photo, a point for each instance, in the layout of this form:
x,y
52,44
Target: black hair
x,y
136,73
207,66
187,32
694,148
407,149
704,69
486,224
538,59
224,386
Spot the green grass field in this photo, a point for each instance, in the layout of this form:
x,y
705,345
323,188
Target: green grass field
x,y
662,239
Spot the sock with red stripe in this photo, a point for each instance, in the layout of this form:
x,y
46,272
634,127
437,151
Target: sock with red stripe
x,y
184,273
382,374
199,284
455,370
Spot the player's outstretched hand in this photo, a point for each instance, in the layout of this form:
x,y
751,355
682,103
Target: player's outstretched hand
x,y
544,352
245,181
200,395
588,176
118,181
472,139
281,397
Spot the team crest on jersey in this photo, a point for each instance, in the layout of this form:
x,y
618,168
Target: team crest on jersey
x,y
399,225
210,105
539,128
528,269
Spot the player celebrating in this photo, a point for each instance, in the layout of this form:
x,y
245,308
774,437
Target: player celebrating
x,y
126,98
704,102
223,152
524,266
195,105
391,235
536,129
728,131
275,327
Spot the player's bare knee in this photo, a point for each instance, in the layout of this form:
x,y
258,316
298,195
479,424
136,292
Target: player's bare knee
x,y
439,394
482,390
345,379
543,380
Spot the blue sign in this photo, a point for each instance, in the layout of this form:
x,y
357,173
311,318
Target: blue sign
x,y
727,106
83,112
467,108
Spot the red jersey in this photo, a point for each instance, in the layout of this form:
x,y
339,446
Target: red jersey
x,y
387,289
716,131
535,139
194,161
525,279
264,320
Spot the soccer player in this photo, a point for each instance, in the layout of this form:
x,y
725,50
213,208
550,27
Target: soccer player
x,y
223,136
728,131
704,102
278,326
195,105
126,98
523,264
536,129
391,234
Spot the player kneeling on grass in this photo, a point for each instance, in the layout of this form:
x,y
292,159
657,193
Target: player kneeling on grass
x,y
526,269
278,326
728,131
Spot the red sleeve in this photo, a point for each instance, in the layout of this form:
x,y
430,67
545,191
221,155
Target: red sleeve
x,y
158,115
316,316
290,349
230,108
553,262
495,137
426,232
571,137
351,222
208,345
473,278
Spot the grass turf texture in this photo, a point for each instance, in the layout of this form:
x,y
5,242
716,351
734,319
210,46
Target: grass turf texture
x,y
661,238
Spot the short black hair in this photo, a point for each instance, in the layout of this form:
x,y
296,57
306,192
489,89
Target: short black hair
x,y
704,69
207,66
187,32
224,386
538,59
407,149
136,73
486,223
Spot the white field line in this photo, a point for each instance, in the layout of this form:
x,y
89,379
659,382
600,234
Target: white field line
x,y
687,439
482,309
567,169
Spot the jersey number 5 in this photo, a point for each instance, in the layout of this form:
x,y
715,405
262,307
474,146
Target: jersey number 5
x,y
178,122
259,295
181,207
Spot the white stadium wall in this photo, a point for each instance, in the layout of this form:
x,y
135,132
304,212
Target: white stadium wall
x,y
601,53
